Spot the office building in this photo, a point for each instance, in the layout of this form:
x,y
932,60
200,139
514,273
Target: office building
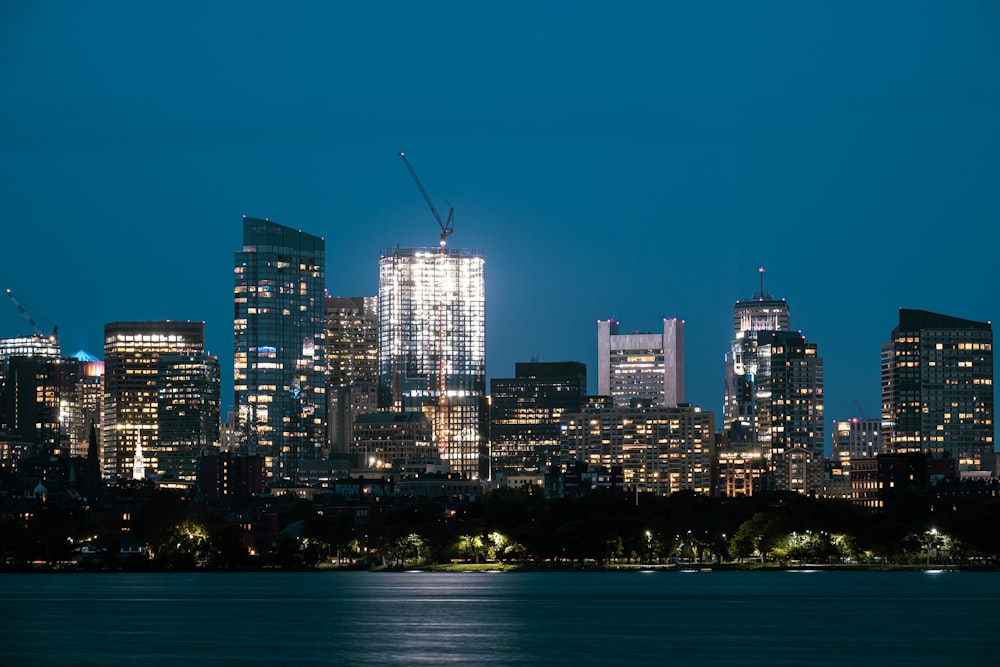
x,y
432,346
762,312
937,388
525,413
789,405
642,369
392,440
187,415
351,363
83,407
855,439
280,354
659,450
132,352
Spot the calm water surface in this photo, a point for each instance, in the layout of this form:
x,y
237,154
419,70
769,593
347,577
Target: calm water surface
x,y
610,618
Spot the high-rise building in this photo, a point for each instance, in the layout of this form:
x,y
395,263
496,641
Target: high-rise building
x,y
280,354
641,368
855,439
432,346
187,414
937,388
789,402
351,363
761,313
29,411
132,352
84,405
35,345
525,412
660,450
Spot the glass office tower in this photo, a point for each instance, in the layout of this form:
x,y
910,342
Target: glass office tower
x,y
937,388
432,349
279,345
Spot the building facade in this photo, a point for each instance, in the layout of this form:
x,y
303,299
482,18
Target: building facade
x,y
659,450
526,410
763,312
132,352
432,347
392,440
789,405
937,388
187,414
641,368
279,339
855,439
351,363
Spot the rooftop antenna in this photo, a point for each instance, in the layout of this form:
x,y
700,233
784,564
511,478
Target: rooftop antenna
x,y
762,295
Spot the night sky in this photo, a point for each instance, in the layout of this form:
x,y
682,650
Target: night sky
x,y
625,160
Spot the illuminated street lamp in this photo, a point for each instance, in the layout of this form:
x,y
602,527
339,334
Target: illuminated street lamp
x,y
931,537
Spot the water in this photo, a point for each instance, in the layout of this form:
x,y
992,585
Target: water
x,y
557,618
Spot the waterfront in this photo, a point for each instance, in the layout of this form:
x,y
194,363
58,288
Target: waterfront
x,y
746,618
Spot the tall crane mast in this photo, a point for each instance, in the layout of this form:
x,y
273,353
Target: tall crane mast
x,y
441,413
447,227
31,321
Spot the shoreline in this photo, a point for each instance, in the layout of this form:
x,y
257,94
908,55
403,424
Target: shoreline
x,y
506,568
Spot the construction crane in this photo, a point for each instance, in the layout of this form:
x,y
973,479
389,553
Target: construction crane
x,y
441,413
447,227
31,321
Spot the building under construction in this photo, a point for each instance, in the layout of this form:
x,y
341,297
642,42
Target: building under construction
x,y
432,352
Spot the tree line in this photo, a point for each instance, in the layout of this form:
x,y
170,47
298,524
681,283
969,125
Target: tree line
x,y
162,530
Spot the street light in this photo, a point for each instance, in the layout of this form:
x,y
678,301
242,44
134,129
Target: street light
x,y
931,537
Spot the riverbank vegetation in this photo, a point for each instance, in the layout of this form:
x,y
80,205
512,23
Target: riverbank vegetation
x,y
506,530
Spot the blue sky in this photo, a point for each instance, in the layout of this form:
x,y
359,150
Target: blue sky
x,y
635,161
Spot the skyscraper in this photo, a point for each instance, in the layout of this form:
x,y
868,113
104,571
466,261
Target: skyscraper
x,y
352,364
774,394
937,388
789,402
132,352
432,345
761,313
526,410
187,414
643,368
280,357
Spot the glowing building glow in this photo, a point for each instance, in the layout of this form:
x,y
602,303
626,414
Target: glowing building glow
x,y
432,345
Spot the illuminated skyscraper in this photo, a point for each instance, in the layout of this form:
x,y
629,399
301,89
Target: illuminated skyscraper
x,y
132,352
761,313
432,345
280,357
352,364
774,394
788,397
187,414
641,368
937,388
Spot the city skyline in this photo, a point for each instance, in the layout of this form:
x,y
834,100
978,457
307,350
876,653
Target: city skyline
x,y
851,151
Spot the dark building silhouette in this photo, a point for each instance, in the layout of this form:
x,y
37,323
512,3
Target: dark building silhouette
x,y
526,410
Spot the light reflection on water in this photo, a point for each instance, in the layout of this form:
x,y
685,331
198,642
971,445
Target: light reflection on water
x,y
746,618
